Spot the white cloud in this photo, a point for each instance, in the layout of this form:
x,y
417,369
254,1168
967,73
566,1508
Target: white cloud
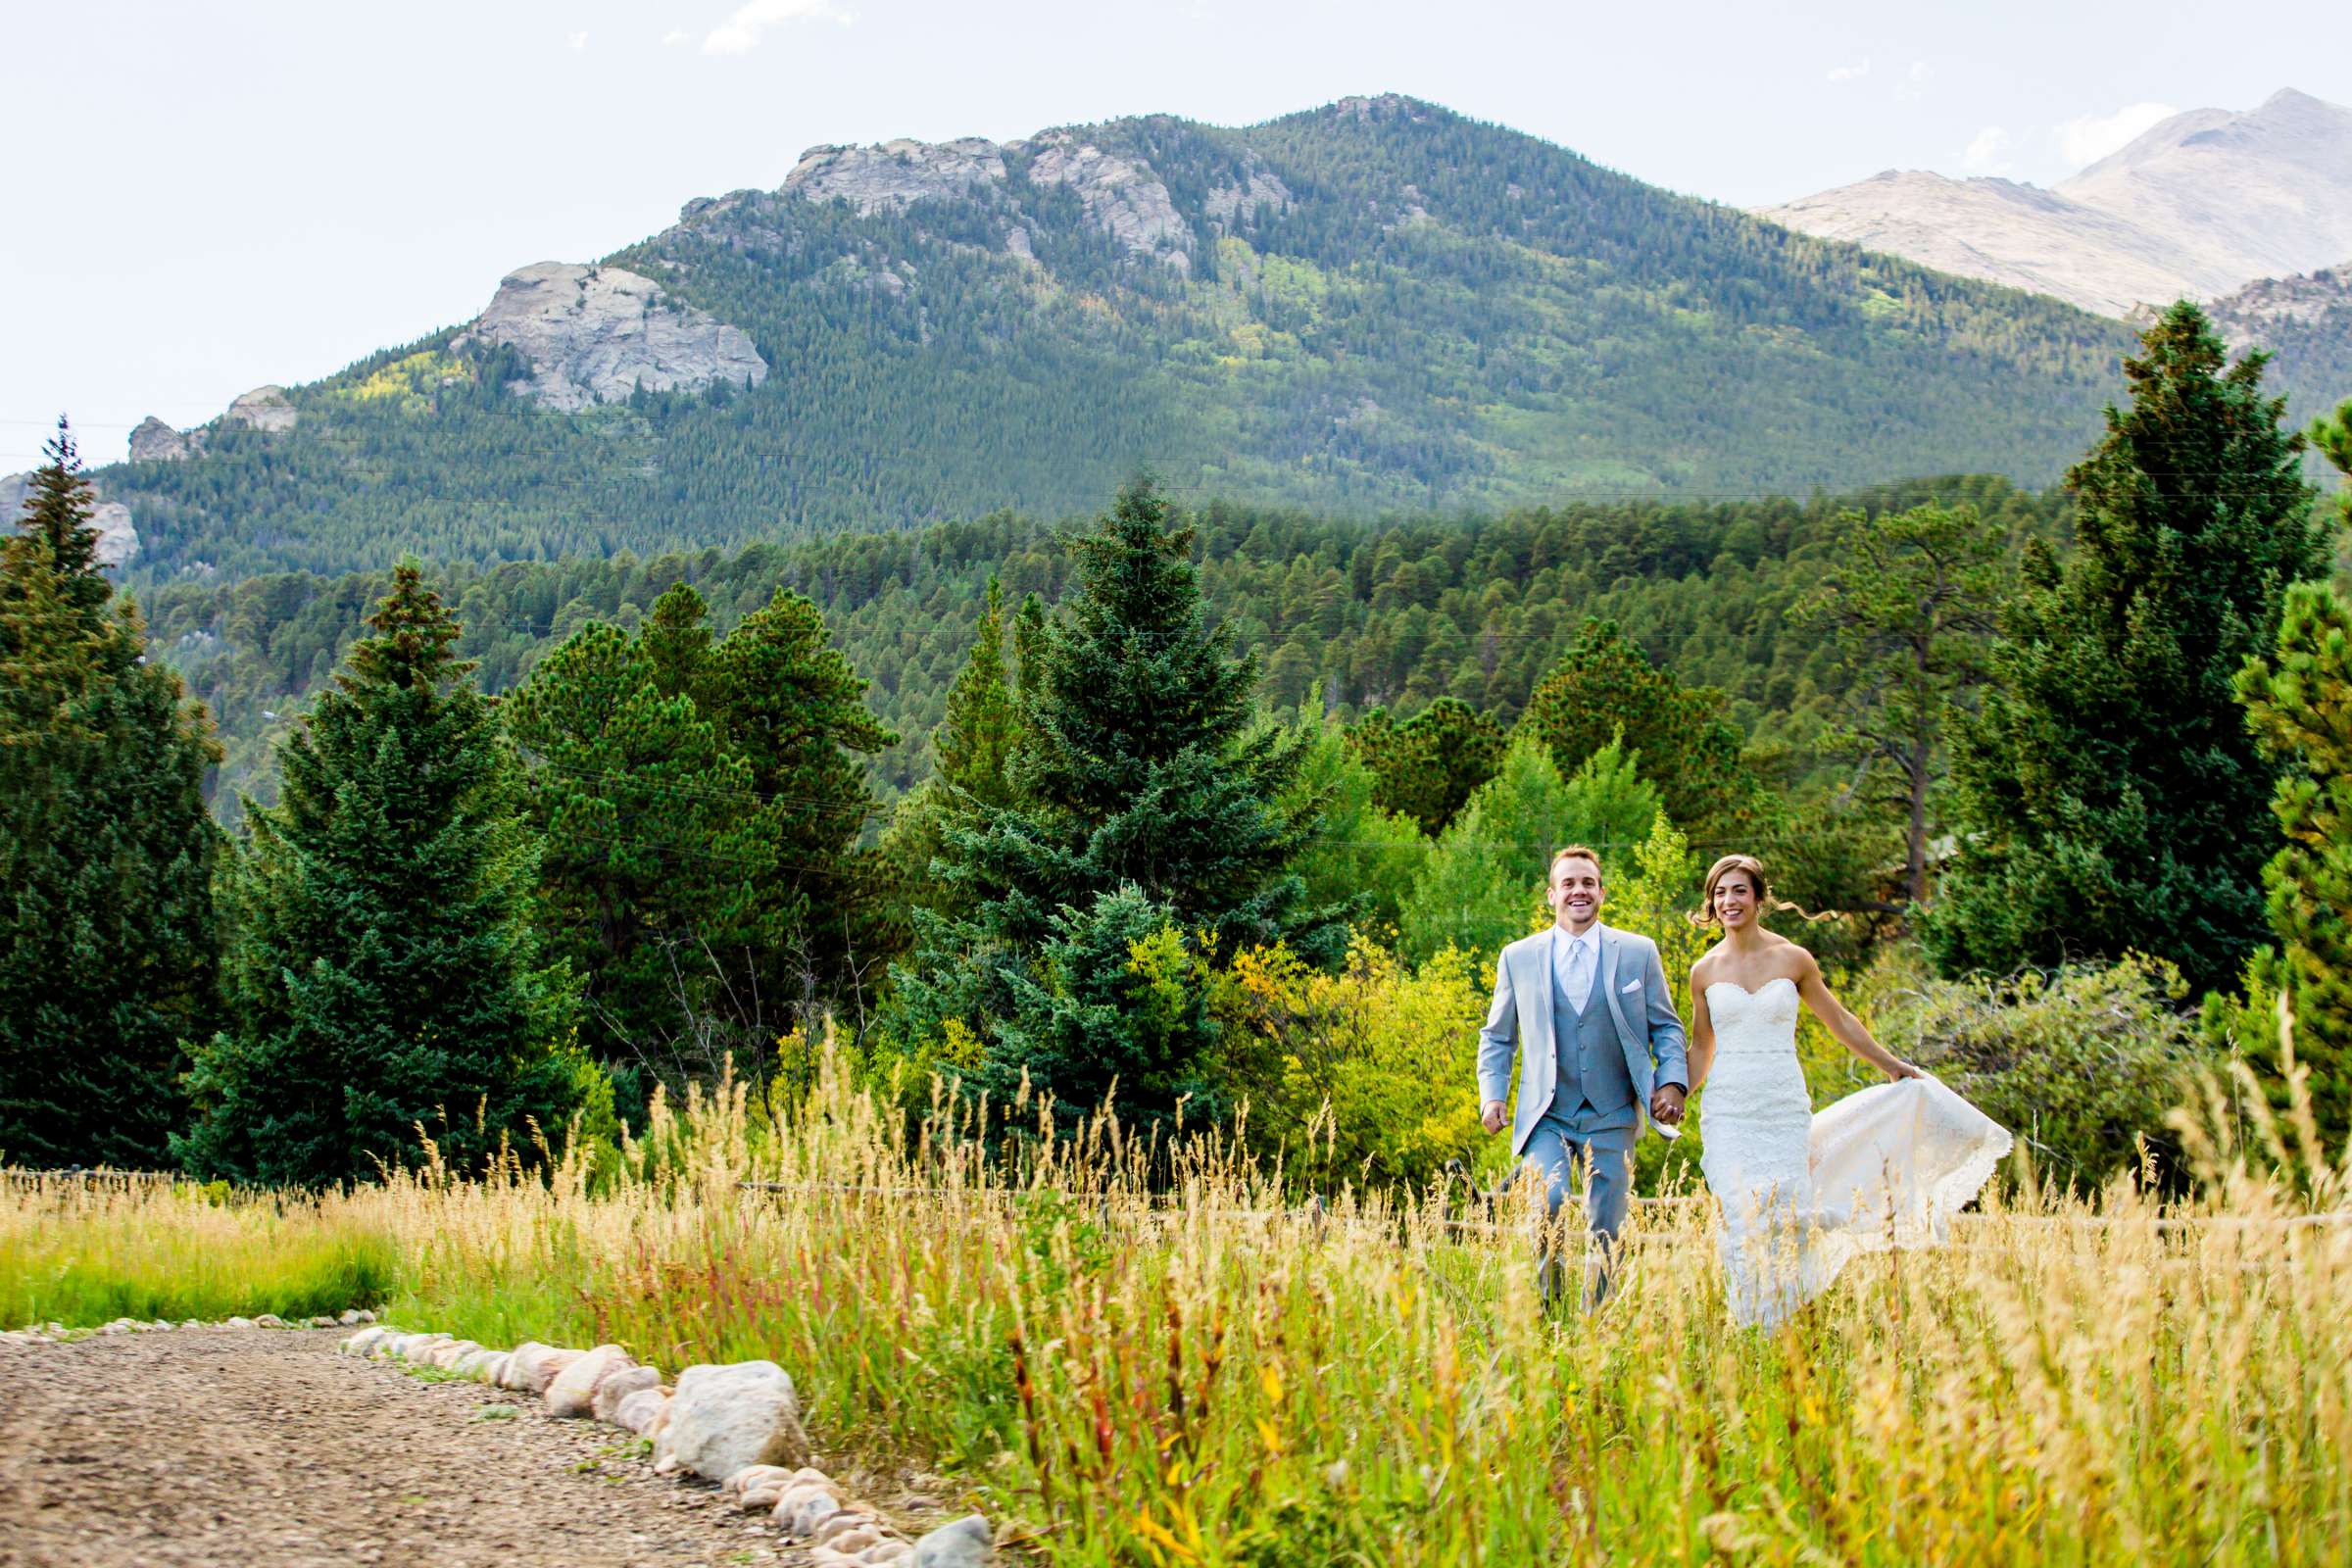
x,y
2091,137
1850,72
740,32
1920,71
1989,153
675,37
577,40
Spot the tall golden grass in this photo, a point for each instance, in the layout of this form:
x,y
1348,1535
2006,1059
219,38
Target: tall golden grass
x,y
1197,1369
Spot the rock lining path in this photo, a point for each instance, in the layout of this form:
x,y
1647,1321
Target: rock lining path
x,y
219,1447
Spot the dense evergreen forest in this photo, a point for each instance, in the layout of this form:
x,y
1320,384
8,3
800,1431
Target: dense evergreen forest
x,y
1373,308
1209,809
1391,614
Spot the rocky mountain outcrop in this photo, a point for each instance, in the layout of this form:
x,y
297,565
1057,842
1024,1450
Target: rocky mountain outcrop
x,y
2193,208
1229,203
594,334
1123,197
154,441
2305,323
117,539
265,408
895,175
2270,302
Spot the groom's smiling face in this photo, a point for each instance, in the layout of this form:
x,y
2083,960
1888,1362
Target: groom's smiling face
x,y
1575,892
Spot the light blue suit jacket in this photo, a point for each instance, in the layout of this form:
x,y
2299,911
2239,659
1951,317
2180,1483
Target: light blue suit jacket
x,y
1639,1001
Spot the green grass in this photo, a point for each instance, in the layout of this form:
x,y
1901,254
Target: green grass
x,y
82,1258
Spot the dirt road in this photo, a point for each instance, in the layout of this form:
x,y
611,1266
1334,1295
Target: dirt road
x,y
263,1449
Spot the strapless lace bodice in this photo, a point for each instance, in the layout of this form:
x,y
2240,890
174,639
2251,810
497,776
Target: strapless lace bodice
x,y
1760,1020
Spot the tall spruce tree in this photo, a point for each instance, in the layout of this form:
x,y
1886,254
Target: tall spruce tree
x,y
385,970
1145,816
974,742
789,704
972,755
107,927
2111,798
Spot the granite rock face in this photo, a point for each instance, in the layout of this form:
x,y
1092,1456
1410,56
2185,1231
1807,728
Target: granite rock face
x,y
1228,204
118,538
594,334
154,441
265,408
1122,196
897,174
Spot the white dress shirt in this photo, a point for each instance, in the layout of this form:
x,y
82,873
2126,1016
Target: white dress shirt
x,y
1576,964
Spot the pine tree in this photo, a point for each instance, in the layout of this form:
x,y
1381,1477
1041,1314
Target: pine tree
x,y
788,703
650,884
2299,701
975,741
2111,799
1144,801
1911,604
1428,764
1607,690
386,971
972,750
107,928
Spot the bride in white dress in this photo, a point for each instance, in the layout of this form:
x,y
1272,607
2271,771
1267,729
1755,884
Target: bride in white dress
x,y
1802,1194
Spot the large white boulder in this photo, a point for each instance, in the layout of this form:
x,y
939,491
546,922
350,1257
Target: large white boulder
x,y
571,1394
364,1342
722,1418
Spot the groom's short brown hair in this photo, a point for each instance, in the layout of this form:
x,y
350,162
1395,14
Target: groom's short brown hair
x,y
1574,852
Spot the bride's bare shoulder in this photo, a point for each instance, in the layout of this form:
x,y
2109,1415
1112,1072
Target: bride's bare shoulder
x,y
1798,959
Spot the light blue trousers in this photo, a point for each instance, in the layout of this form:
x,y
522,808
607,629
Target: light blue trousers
x,y
1556,1151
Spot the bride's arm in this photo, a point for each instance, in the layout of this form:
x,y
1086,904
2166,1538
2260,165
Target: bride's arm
x,y
1702,1035
1844,1024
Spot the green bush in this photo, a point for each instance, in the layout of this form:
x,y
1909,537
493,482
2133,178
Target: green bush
x,y
2080,1062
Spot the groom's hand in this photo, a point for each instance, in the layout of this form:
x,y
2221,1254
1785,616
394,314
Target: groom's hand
x,y
1666,1106
1491,1118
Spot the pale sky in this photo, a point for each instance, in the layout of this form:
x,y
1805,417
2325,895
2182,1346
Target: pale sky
x,y
209,195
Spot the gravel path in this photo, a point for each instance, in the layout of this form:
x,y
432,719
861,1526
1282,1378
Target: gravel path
x,y
264,1449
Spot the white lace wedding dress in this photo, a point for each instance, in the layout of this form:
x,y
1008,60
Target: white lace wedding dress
x,y
1803,1194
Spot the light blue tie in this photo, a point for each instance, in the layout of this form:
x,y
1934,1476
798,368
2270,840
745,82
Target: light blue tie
x,y
1579,980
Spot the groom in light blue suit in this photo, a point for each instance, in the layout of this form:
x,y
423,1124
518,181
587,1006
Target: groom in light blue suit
x,y
1592,1007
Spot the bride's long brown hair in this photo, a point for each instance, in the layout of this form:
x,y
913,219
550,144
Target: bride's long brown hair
x,y
1704,916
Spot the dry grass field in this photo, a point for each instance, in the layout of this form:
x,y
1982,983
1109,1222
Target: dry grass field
x,y
1197,1369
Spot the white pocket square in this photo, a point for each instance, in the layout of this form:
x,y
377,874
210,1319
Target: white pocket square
x,y
1629,985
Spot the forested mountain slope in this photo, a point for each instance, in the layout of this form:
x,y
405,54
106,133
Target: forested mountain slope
x,y
1398,613
1372,307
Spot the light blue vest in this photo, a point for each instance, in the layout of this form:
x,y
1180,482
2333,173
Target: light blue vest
x,y
1594,1091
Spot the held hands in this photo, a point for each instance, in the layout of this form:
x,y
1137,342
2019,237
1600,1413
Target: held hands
x,y
1666,1106
1491,1118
